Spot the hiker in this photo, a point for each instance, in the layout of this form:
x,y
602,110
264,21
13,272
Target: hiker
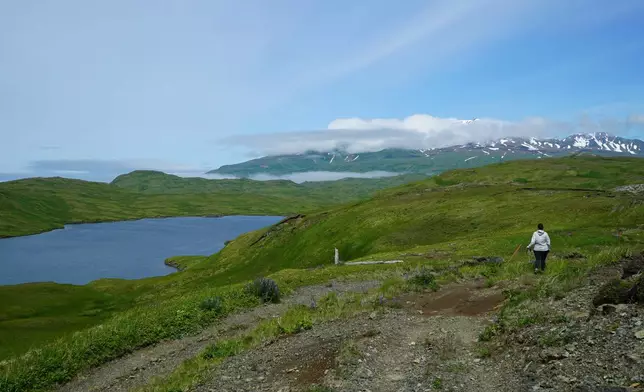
x,y
540,244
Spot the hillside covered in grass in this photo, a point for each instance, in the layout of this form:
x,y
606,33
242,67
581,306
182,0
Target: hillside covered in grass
x,y
347,189
484,210
436,223
39,204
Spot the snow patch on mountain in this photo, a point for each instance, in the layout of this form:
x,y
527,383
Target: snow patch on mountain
x,y
529,147
581,141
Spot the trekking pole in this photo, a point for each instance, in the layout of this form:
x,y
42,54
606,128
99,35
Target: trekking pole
x,y
515,252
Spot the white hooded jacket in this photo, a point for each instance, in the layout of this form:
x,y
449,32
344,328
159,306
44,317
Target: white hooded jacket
x,y
540,240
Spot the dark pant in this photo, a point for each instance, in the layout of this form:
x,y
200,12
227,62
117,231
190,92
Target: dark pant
x,y
540,256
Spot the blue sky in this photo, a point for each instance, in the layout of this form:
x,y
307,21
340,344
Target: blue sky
x,y
90,89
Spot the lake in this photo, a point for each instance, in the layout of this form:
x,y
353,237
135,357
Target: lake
x,y
137,249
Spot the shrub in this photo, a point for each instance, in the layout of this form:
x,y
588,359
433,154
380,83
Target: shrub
x,y
265,289
212,304
489,332
483,352
424,278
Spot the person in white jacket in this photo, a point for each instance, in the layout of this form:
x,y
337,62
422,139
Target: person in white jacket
x,y
540,244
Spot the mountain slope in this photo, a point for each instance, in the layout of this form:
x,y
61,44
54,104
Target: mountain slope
x,y
498,204
433,161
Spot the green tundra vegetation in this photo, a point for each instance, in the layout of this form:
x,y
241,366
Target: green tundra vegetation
x,y
434,223
40,204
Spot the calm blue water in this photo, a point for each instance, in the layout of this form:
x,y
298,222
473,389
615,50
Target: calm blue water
x,y
79,254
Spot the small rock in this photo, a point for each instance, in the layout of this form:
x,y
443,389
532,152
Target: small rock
x,y
395,377
578,315
553,354
607,309
372,315
639,334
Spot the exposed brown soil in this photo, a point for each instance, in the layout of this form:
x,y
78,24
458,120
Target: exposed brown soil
x,y
139,368
393,349
459,299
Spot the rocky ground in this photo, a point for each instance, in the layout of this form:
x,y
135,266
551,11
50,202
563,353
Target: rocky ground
x,y
590,340
430,341
582,347
421,342
138,368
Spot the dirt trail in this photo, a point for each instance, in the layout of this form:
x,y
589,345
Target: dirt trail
x,y
421,342
138,368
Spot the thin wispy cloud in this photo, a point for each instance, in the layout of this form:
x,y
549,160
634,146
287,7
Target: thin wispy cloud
x,y
636,118
120,79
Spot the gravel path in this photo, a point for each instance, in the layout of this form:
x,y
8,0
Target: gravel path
x,y
138,368
409,346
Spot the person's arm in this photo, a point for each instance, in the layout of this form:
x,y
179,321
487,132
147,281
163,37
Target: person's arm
x,y
548,240
532,241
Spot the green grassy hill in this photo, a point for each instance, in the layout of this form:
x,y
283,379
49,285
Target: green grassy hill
x,y
435,222
489,209
39,204
36,205
323,192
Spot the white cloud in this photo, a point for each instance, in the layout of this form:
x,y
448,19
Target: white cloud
x,y
356,135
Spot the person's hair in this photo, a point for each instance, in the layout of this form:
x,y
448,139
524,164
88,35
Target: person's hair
x,y
540,226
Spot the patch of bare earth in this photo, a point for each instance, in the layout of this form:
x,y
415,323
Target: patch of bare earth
x,y
138,369
421,342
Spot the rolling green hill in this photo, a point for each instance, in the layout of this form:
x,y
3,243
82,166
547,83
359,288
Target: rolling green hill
x,y
39,204
436,222
36,205
152,182
491,208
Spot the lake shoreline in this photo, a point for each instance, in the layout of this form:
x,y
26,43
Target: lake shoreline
x,y
61,227
131,249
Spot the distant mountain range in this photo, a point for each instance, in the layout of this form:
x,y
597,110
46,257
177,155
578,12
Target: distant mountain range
x,y
432,161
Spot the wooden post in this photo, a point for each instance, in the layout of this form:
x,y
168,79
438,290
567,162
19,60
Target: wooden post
x,y
337,256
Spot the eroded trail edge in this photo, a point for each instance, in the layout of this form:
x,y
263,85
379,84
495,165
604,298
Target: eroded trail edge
x,y
138,368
